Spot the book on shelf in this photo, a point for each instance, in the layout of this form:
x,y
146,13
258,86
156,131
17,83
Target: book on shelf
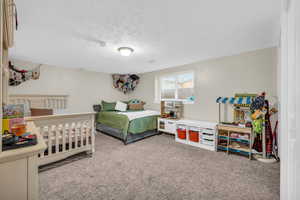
x,y
12,114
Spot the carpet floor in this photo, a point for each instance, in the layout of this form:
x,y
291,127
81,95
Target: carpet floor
x,y
159,168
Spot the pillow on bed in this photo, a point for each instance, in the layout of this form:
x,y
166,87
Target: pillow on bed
x,y
108,106
120,106
139,106
136,104
134,101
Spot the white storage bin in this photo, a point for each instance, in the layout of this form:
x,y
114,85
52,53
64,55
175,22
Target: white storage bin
x,y
208,131
210,136
208,142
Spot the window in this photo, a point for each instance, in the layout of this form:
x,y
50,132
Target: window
x,y
178,87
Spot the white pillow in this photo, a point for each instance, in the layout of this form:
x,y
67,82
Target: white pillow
x,y
120,106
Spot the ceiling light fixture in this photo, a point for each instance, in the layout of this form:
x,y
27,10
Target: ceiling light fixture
x,y
125,51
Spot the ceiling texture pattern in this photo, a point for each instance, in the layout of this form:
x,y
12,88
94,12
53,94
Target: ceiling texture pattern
x,y
163,33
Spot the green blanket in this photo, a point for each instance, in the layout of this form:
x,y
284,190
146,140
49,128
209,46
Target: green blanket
x,y
121,122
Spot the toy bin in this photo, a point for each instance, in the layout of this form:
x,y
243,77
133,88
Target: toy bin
x,y
194,135
181,132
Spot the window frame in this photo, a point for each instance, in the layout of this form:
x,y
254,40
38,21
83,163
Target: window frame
x,y
158,88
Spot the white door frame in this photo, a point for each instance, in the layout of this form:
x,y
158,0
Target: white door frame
x,y
1,71
289,92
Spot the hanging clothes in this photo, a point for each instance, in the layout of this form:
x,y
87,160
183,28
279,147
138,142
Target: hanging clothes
x,y
268,130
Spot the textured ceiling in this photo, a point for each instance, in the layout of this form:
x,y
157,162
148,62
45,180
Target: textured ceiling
x,y
164,33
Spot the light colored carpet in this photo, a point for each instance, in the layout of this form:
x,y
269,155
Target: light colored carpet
x,y
158,168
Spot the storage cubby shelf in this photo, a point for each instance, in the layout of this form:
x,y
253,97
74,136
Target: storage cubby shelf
x,y
234,139
239,140
187,132
220,147
234,144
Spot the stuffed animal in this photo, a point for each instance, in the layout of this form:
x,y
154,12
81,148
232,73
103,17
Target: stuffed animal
x,y
125,82
136,104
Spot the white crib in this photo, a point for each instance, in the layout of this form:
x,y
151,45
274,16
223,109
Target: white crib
x,y
65,135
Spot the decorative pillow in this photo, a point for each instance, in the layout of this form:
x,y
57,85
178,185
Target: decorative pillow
x,y
97,108
139,106
136,104
134,101
108,106
120,106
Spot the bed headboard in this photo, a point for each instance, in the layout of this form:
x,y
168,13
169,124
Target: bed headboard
x,y
40,101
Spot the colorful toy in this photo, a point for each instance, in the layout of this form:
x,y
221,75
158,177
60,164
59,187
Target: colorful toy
x,y
241,106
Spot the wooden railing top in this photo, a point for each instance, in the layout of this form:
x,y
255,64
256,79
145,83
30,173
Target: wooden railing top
x,y
59,116
49,101
38,95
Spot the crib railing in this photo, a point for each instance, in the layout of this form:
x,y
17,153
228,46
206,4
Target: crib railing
x,y
40,101
65,135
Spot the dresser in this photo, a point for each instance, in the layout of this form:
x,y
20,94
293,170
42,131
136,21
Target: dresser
x,y
19,171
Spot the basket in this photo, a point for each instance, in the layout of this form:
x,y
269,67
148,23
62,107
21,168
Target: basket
x,y
181,133
194,136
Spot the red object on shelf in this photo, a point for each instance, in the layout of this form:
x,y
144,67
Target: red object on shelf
x,y
181,134
194,136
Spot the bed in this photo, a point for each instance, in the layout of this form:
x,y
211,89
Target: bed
x,y
129,126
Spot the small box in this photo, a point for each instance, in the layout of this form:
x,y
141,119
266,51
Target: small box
x,y
9,123
13,111
5,126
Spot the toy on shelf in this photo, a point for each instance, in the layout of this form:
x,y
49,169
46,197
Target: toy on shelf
x,y
13,115
171,109
14,130
241,109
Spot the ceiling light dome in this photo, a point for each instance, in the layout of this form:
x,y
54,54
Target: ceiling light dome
x,y
125,51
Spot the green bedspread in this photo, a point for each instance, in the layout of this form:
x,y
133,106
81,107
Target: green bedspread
x,y
121,122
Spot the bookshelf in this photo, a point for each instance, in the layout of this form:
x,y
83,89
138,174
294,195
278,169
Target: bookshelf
x,y
233,139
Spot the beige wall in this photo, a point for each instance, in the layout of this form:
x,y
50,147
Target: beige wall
x,y
251,72
84,88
